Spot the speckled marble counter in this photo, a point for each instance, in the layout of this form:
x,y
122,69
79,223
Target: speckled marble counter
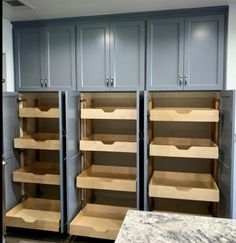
x,y
150,227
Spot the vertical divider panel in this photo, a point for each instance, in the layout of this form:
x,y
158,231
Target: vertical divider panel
x,y
62,160
146,144
72,159
138,138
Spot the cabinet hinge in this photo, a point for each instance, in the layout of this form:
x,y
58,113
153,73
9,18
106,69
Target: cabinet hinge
x,y
18,100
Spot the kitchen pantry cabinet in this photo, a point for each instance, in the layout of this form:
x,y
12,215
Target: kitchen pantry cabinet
x,y
188,147
35,185
106,165
45,58
185,53
110,56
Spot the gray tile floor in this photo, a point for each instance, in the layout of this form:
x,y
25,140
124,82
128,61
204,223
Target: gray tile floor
x,y
33,236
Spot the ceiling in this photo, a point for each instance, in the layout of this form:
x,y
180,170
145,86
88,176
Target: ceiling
x,y
49,9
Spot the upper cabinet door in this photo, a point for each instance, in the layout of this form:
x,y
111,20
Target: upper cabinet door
x,y
165,54
92,54
204,46
60,57
29,71
127,47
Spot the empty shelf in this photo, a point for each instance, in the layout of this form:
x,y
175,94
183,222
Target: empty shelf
x,y
44,141
40,214
186,186
114,178
184,147
109,143
38,172
99,221
184,114
36,112
111,113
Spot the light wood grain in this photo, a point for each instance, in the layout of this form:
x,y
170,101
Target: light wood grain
x,y
116,178
110,113
38,172
40,214
100,221
35,112
184,147
44,141
109,143
187,186
184,114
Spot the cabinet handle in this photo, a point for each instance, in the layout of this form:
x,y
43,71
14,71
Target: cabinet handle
x,y
3,80
46,82
112,81
180,80
185,80
42,83
107,82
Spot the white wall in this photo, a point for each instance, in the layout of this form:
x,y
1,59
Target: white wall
x,y
231,49
7,47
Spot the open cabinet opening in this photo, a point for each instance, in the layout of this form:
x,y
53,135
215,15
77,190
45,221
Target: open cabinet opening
x,y
39,146
183,132
108,176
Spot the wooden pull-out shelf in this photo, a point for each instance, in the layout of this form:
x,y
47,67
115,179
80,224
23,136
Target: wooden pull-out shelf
x,y
35,112
111,113
99,221
184,114
186,186
109,143
40,214
116,178
38,172
44,141
184,147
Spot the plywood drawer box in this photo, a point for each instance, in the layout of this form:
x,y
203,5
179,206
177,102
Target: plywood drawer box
x,y
184,114
109,143
35,112
110,113
184,147
40,214
187,186
116,178
44,141
100,221
38,172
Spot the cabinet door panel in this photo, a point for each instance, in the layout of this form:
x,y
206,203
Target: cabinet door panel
x,y
204,44
127,55
226,177
92,56
29,58
60,57
11,156
165,54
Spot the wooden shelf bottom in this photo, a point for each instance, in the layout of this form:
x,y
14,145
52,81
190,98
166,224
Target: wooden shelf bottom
x,y
186,186
40,214
38,172
99,221
117,178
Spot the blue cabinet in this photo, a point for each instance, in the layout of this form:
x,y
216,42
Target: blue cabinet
x,y
185,53
110,56
45,58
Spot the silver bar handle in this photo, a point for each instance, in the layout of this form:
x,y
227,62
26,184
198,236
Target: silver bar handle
x,y
46,82
41,82
185,80
180,80
112,81
107,82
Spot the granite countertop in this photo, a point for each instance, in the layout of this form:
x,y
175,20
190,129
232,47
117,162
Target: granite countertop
x,y
150,227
